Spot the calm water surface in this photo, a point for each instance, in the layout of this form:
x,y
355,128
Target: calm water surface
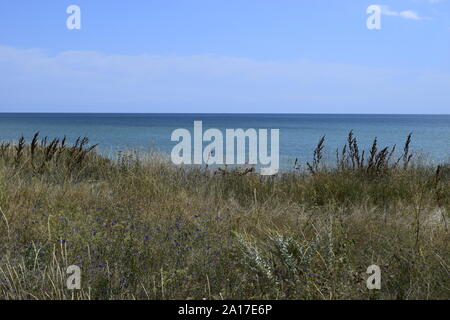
x,y
299,133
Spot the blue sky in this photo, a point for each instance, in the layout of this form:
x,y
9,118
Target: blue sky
x,y
225,56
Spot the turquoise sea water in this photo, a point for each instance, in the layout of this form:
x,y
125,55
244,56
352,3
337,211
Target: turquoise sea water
x,y
299,133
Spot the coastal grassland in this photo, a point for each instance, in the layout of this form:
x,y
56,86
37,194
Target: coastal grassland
x,y
141,228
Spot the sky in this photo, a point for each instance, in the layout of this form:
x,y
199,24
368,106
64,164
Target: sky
x,y
225,56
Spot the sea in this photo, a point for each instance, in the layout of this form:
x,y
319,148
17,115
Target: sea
x,y
299,133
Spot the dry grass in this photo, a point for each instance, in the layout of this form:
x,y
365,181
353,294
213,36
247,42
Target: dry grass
x,y
140,228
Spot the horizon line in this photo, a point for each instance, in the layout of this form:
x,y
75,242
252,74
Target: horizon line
x,y
226,113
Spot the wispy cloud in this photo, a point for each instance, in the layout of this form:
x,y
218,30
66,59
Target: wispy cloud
x,y
87,80
406,14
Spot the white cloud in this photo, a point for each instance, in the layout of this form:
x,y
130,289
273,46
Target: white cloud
x,y
387,11
85,81
406,14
